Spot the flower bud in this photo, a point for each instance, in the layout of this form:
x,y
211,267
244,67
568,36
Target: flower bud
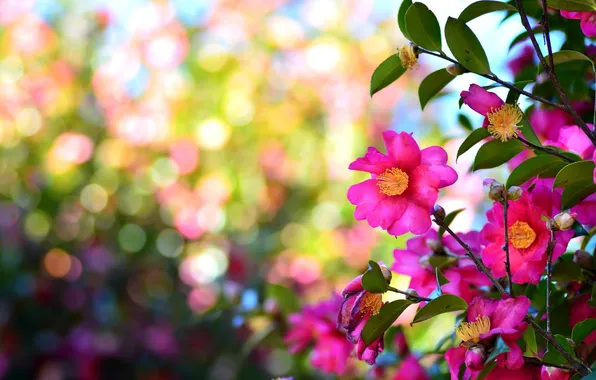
x,y
514,193
495,193
386,272
408,56
414,295
553,373
475,357
439,212
457,69
583,259
564,220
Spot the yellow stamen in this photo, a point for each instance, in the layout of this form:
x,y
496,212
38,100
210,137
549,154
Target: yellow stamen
x,y
471,331
521,235
392,182
407,56
503,121
371,303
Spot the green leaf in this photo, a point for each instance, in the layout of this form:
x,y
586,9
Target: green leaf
x,y
565,269
495,153
379,323
442,304
576,192
401,17
531,168
528,131
524,36
373,280
439,261
285,298
423,27
582,330
480,8
553,356
530,339
448,219
592,300
464,122
388,72
473,138
565,56
500,347
591,376
465,46
441,279
575,172
432,84
579,230
573,5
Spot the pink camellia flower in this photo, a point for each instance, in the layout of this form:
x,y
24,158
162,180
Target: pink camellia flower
x,y
548,122
315,324
552,373
527,372
404,186
587,23
572,139
501,119
357,307
528,235
580,311
486,320
410,369
422,251
524,59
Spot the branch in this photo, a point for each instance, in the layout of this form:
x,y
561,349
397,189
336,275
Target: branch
x,y
506,245
550,70
540,362
549,258
496,79
546,150
416,297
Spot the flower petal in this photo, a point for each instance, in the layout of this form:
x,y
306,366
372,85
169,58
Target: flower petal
x,y
403,150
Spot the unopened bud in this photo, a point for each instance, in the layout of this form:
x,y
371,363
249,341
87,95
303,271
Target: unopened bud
x,y
583,259
564,220
439,212
495,189
514,193
386,272
475,357
413,295
457,69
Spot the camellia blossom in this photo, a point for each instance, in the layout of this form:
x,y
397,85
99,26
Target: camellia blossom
x,y
524,59
580,311
315,324
422,251
486,320
587,21
357,307
528,235
572,139
404,186
410,368
501,119
547,123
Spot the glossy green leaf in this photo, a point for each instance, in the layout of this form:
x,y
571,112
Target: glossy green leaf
x,y
480,8
574,193
583,329
465,46
440,261
423,27
553,356
528,131
401,17
379,323
386,73
579,230
448,219
465,122
499,348
432,84
532,167
530,339
495,153
573,5
565,269
575,172
441,279
443,304
565,56
373,280
473,138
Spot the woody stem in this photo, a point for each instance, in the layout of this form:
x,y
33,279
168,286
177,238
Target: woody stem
x,y
409,295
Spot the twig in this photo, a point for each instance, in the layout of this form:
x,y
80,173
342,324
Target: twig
x,y
546,150
540,362
549,258
550,70
496,79
549,47
506,244
410,295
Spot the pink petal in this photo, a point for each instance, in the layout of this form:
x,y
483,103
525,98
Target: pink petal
x,y
481,306
416,220
480,100
455,358
588,24
572,15
510,312
373,162
403,150
388,211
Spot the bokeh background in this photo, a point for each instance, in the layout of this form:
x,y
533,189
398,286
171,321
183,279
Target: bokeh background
x,y
173,177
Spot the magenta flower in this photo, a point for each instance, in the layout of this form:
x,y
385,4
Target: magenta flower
x,y
587,21
580,311
524,59
548,122
415,261
410,368
501,119
357,307
404,186
486,320
528,235
571,138
315,325
552,373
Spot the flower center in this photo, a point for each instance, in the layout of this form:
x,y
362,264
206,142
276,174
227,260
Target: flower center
x,y
371,303
471,331
393,181
407,56
521,235
503,121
